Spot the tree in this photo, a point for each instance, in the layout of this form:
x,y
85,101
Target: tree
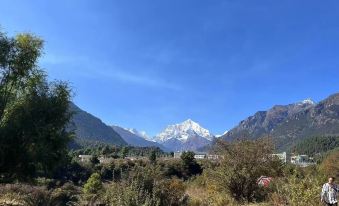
x,y
172,154
187,157
153,157
93,184
106,150
94,160
124,152
34,113
191,167
243,163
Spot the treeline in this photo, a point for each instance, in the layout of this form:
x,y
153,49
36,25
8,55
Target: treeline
x,y
316,145
118,152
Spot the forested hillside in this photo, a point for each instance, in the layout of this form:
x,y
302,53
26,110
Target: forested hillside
x,y
314,145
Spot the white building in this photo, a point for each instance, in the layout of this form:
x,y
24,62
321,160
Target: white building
x,y
213,157
281,156
85,158
106,160
177,154
302,160
200,156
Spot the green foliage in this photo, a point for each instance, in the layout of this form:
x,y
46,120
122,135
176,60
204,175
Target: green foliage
x,y
297,190
153,157
187,157
190,165
145,187
244,162
99,149
330,164
314,145
74,172
94,160
33,112
93,184
124,152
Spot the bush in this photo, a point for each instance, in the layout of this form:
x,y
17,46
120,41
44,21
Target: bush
x,y
297,191
26,195
93,184
204,191
145,187
330,165
244,162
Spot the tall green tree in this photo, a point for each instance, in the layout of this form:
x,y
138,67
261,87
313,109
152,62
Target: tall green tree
x,y
34,113
190,165
124,152
153,157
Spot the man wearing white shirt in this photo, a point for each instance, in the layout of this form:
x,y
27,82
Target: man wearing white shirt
x,y
329,193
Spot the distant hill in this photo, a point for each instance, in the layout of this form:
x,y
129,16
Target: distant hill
x,y
89,128
288,124
134,138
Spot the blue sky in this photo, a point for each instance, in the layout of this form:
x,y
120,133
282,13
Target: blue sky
x,y
146,64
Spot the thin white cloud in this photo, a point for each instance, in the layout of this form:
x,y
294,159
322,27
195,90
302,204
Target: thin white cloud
x,y
86,68
150,81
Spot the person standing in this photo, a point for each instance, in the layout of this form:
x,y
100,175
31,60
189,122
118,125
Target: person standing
x,y
329,193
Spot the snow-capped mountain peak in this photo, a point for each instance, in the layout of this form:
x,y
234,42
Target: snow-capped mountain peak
x,y
183,132
307,101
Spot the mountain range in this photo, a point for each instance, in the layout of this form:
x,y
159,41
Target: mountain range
x,y
289,124
90,130
286,124
137,138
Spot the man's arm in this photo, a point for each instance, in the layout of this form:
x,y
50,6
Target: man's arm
x,y
336,188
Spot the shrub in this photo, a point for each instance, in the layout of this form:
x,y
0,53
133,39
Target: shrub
x,y
244,162
330,165
26,195
93,184
145,186
20,194
297,191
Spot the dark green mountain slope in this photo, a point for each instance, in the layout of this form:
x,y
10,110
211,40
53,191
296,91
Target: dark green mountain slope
x,y
315,145
91,129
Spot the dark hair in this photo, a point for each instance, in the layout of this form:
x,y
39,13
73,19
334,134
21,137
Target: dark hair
x,y
333,178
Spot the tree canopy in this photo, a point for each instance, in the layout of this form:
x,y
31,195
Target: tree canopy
x,y
34,113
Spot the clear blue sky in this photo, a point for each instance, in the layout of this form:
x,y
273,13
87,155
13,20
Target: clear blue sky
x,y
146,64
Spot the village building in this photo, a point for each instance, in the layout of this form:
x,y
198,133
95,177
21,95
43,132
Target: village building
x,y
302,160
85,158
281,156
200,156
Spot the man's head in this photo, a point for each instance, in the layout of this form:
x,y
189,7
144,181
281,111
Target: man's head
x,y
331,180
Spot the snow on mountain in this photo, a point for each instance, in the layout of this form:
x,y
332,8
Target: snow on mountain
x,y
183,132
135,138
219,135
142,134
307,101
